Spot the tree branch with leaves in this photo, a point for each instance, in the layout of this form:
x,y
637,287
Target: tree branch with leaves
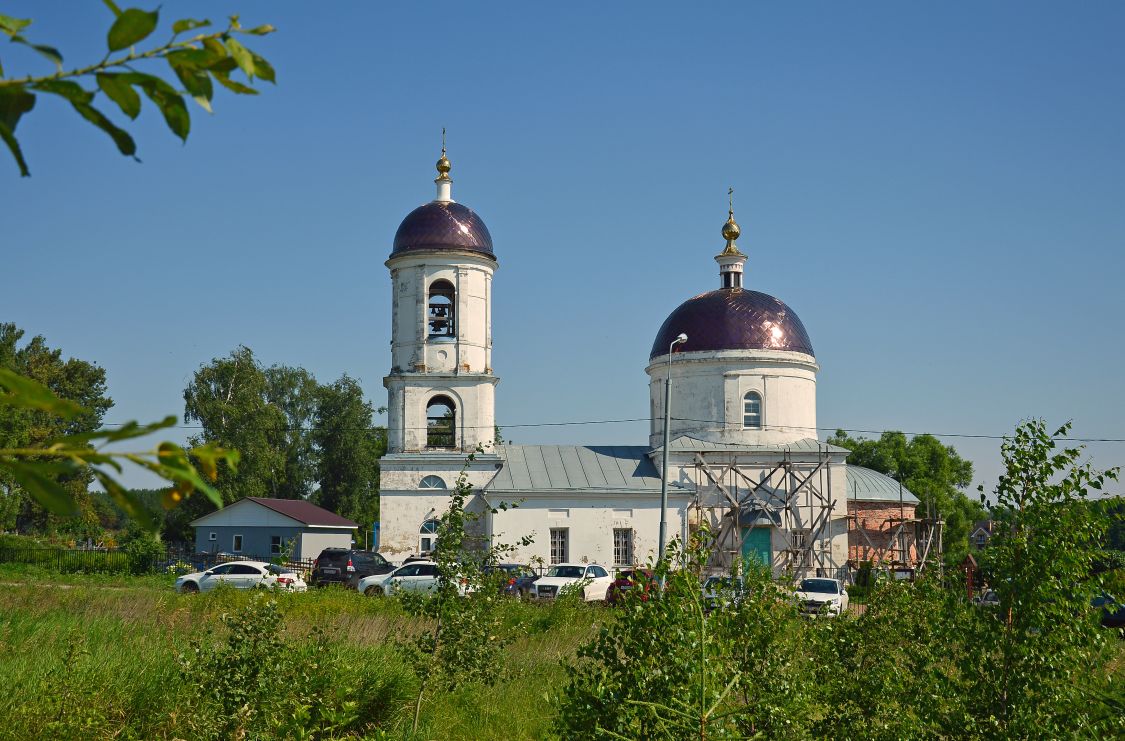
x,y
197,62
37,469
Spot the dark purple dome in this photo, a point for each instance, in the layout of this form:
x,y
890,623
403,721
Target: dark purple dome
x,y
442,225
733,319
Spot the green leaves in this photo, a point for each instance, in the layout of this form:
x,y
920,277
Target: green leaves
x,y
39,480
121,93
188,24
166,98
197,63
38,467
80,99
131,26
25,393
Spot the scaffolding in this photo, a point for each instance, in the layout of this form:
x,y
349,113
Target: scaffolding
x,y
904,544
792,497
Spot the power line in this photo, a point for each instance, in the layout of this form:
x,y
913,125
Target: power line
x,y
721,426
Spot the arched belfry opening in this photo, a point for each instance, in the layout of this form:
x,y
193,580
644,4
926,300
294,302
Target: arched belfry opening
x,y
441,309
441,423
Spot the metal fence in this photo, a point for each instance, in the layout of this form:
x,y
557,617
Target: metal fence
x,y
171,560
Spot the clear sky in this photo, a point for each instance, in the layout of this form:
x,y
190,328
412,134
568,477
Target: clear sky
x,y
937,189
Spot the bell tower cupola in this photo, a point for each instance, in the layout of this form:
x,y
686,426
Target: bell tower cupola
x,y
441,385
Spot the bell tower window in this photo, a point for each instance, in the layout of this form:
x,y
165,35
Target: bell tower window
x,y
442,302
441,423
752,411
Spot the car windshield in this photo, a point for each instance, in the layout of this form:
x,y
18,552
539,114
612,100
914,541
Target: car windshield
x,y
822,586
566,572
275,569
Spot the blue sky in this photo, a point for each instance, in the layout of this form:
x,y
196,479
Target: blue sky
x,y
936,189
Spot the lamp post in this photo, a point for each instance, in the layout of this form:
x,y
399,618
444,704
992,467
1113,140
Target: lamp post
x,y
682,338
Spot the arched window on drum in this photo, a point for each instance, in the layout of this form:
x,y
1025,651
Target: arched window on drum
x,y
752,411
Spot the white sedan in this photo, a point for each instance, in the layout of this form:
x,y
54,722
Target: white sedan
x,y
417,576
242,575
594,581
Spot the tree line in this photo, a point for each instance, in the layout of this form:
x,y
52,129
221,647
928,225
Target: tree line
x,y
298,438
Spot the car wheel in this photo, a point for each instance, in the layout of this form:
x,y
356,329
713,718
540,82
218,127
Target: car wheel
x,y
189,588
373,591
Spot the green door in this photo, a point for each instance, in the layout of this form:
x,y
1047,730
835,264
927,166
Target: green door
x,y
756,544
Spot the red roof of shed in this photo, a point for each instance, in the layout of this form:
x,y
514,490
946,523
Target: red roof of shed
x,y
303,511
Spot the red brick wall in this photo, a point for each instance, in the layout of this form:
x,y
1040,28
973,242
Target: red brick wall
x,y
871,518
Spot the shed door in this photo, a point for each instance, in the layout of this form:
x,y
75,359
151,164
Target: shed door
x,y
756,544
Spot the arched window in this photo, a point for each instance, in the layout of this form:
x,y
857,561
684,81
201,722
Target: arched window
x,y
441,308
427,536
432,482
752,411
441,423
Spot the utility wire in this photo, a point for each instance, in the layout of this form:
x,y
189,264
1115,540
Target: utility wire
x,y
720,426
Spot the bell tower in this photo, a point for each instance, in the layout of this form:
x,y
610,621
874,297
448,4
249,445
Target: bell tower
x,y
441,387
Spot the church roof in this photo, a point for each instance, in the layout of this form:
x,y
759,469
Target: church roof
x,y
575,468
733,319
865,485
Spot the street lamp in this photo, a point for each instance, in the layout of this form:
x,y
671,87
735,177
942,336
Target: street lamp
x,y
682,338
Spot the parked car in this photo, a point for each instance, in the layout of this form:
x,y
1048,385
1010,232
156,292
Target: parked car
x,y
417,576
1113,612
346,566
987,598
627,581
822,596
518,581
722,591
592,579
242,575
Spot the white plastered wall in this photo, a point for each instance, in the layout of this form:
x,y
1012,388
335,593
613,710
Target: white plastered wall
x,y
590,520
403,507
708,390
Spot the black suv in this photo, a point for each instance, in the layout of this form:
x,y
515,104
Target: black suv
x,y
346,567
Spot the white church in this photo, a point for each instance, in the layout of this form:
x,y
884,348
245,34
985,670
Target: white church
x,y
742,453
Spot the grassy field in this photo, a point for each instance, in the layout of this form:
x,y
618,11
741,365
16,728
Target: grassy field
x,y
95,657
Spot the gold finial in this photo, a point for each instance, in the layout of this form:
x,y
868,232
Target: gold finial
x,y
443,165
731,231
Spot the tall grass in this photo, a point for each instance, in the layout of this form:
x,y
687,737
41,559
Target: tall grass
x,y
90,659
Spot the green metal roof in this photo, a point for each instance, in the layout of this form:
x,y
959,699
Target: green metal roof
x,y
575,468
866,485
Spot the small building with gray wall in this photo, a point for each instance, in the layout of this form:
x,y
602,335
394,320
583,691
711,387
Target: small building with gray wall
x,y
265,528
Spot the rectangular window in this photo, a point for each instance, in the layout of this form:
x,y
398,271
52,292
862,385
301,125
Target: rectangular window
x,y
559,544
237,545
623,546
214,536
275,545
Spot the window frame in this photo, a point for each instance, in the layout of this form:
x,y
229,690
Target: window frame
x,y
275,548
427,536
236,543
431,478
626,549
560,551
759,414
